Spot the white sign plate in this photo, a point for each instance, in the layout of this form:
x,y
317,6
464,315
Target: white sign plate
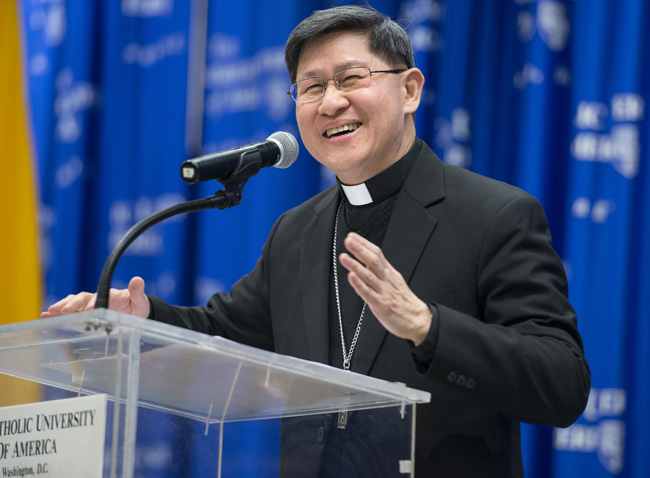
x,y
59,438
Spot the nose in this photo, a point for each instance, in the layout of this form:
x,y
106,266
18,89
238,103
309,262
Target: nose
x,y
336,83
333,99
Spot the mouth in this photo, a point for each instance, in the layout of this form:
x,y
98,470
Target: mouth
x,y
342,130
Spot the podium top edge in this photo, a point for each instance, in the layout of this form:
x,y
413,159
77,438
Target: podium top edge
x,y
108,322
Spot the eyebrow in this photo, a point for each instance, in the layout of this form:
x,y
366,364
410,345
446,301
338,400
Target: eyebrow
x,y
339,67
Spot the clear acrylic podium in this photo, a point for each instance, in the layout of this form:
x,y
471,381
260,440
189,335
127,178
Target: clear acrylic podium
x,y
329,418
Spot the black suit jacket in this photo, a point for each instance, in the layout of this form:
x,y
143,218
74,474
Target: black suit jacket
x,y
506,344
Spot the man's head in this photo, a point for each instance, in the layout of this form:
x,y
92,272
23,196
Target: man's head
x,y
387,39
355,89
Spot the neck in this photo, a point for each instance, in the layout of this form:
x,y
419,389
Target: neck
x,y
354,179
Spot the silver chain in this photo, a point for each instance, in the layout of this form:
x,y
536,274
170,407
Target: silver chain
x,y
347,358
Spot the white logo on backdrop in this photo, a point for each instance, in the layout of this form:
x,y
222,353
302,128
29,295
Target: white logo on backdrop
x,y
147,8
530,74
422,19
39,64
417,18
235,85
621,146
452,137
68,172
551,21
73,97
598,212
151,54
50,18
123,214
604,435
553,24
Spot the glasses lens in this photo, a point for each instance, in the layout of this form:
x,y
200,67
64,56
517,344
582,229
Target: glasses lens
x,y
310,89
293,91
353,78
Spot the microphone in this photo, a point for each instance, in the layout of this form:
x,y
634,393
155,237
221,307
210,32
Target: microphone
x,y
280,150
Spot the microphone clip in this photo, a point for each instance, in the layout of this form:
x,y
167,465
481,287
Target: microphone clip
x,y
234,183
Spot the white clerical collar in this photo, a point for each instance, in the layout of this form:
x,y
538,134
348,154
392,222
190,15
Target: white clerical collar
x,y
357,195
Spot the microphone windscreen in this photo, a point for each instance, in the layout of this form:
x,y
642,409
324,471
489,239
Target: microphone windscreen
x,y
288,146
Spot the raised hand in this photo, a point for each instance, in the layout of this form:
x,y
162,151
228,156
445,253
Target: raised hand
x,y
385,291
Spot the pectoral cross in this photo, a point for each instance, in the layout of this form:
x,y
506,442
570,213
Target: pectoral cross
x,y
343,412
343,419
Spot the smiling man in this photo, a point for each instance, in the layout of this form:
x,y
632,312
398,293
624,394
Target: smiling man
x,y
449,282
362,124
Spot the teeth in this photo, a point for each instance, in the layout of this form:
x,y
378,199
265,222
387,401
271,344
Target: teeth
x,y
347,127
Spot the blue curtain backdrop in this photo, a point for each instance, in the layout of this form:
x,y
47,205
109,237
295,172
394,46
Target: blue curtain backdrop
x,y
548,95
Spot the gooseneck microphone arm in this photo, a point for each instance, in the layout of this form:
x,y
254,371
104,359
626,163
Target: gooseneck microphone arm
x,y
232,169
219,200
223,199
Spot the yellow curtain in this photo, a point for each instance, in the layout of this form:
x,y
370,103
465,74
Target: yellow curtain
x,y
20,288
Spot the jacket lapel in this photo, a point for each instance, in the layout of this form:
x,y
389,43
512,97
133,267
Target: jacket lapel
x,y
315,270
409,230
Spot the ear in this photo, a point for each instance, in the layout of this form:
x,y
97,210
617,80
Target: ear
x,y
413,83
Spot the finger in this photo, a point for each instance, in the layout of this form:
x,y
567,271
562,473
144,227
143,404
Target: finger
x,y
136,287
360,272
91,303
367,253
57,306
78,303
139,300
365,284
364,290
69,305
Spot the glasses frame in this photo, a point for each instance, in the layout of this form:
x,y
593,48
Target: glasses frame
x,y
326,81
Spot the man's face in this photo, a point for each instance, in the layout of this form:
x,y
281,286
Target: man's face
x,y
380,133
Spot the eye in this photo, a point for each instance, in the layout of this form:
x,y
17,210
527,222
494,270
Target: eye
x,y
350,79
314,87
310,87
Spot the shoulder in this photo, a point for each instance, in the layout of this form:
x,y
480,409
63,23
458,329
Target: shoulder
x,y
289,229
463,178
460,188
312,207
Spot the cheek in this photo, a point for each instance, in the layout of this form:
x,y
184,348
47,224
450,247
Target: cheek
x,y
306,130
305,121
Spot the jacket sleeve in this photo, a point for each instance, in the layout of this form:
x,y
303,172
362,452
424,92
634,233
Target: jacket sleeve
x,y
524,356
242,315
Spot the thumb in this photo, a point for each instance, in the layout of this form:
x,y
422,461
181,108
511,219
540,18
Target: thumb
x,y
136,287
139,300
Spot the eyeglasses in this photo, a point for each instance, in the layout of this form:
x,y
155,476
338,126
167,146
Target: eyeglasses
x,y
313,89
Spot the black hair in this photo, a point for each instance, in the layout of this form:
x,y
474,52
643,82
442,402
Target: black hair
x,y
387,38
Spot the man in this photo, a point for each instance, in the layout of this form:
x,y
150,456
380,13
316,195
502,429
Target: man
x,y
452,283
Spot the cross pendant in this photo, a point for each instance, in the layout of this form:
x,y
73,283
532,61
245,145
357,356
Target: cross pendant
x,y
343,412
343,419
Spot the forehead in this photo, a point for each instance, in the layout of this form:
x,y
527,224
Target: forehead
x,y
335,51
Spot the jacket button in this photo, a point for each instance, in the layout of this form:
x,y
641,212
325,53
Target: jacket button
x,y
471,383
452,377
321,435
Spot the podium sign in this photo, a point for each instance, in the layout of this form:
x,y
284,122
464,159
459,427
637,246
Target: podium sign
x,y
330,417
45,438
